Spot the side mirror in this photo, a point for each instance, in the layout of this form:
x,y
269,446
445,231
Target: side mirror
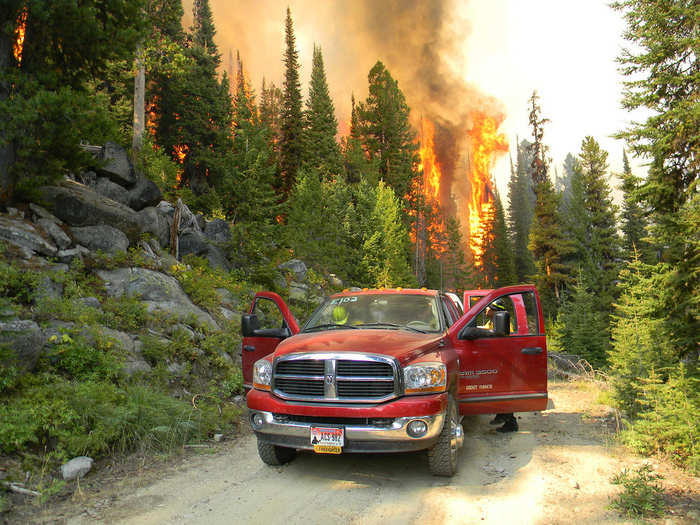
x,y
249,324
501,324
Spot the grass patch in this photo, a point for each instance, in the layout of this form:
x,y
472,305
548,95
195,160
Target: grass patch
x,y
642,494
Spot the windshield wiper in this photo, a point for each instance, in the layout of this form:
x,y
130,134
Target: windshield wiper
x,y
393,325
330,325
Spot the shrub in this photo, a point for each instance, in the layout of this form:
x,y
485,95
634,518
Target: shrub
x,y
642,495
668,423
18,284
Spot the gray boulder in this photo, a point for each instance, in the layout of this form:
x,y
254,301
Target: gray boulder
x,y
112,190
56,233
217,230
42,213
144,193
76,467
157,291
116,165
217,259
25,237
24,339
101,237
66,256
79,205
298,291
157,223
297,267
193,242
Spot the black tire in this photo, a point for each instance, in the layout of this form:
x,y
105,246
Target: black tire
x,y
442,457
275,455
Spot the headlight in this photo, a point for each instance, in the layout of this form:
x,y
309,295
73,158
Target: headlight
x,y
262,374
425,377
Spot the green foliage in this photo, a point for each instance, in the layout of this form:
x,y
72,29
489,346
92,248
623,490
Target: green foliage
x,y
642,495
591,225
520,208
582,327
321,151
17,284
633,221
98,418
383,129
667,423
291,126
125,313
640,341
384,247
84,359
157,166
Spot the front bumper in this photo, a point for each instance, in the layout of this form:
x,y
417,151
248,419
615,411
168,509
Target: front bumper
x,y
393,437
286,423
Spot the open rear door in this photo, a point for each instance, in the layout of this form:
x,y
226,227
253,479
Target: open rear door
x,y
502,372
267,323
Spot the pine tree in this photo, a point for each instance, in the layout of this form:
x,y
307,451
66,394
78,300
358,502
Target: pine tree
x,y
291,129
321,150
194,111
385,132
596,249
385,245
633,221
547,242
503,249
520,213
663,76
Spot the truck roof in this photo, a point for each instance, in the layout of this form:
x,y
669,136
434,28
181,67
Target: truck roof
x,y
388,291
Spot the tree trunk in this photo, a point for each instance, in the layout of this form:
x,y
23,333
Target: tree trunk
x,y
7,153
139,102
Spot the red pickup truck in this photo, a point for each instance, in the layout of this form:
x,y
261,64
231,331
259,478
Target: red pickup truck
x,y
390,370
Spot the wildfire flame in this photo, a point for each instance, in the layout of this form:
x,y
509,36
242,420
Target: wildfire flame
x,y
20,31
486,142
432,176
181,151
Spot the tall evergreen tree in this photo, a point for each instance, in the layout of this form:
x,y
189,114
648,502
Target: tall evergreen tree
x,y
633,221
520,213
385,132
663,76
321,150
547,242
597,246
503,247
291,129
194,110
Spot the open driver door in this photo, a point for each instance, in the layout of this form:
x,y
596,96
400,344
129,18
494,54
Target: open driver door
x,y
268,321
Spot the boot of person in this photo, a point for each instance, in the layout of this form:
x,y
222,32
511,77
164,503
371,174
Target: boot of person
x,y
500,418
510,425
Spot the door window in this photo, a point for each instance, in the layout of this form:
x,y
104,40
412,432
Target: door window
x,y
269,315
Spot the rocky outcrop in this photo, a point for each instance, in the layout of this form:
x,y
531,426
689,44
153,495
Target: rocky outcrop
x,y
26,238
101,237
115,165
157,291
78,205
23,340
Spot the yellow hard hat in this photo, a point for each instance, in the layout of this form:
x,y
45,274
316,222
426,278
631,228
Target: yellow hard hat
x,y
340,315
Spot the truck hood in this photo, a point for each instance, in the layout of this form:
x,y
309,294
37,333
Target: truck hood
x,y
400,344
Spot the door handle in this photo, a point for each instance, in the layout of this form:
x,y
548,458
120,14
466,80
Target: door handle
x,y
249,348
531,350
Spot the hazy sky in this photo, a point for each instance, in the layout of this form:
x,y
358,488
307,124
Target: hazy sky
x,y
500,50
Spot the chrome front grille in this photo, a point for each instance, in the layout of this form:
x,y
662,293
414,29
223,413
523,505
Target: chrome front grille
x,y
357,378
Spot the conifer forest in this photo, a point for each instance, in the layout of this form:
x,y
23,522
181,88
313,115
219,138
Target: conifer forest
x,y
391,194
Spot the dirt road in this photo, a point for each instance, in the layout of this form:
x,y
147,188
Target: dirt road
x,y
556,469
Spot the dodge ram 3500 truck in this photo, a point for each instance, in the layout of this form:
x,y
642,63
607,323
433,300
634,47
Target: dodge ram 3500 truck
x,y
390,370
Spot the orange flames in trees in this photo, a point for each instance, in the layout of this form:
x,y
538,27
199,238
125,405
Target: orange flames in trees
x,y
430,187
486,142
18,46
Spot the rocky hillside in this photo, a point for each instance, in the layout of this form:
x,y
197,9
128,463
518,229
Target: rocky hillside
x,y
119,322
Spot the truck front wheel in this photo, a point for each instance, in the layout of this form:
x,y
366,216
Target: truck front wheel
x,y
442,457
275,455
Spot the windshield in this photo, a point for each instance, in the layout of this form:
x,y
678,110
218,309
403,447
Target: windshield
x,y
402,311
